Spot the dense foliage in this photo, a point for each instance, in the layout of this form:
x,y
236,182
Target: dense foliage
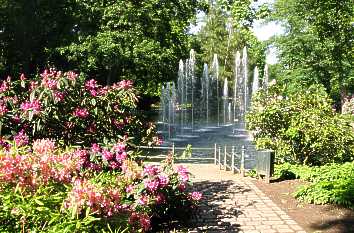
x,y
228,28
317,46
109,40
333,183
66,107
95,189
301,126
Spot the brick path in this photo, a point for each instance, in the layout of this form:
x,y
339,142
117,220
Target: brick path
x,y
234,204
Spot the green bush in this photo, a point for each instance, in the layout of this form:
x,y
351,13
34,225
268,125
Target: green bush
x,y
332,183
301,127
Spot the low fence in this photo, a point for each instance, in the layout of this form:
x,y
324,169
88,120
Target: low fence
x,y
229,158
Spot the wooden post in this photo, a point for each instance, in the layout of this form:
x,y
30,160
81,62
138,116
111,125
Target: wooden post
x,y
215,154
233,160
219,157
242,167
225,159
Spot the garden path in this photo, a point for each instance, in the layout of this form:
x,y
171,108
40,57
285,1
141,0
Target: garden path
x,y
234,204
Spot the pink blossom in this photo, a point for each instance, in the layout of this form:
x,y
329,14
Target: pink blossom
x,y
91,84
183,173
71,75
34,106
160,198
143,200
43,146
107,155
151,170
124,84
95,148
182,187
195,196
81,113
3,109
164,180
4,86
145,222
22,77
151,185
119,147
129,188
121,156
21,138
59,96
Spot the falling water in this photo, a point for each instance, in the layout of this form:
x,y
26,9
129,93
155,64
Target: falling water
x,y
245,76
236,83
205,92
255,84
266,77
225,99
215,78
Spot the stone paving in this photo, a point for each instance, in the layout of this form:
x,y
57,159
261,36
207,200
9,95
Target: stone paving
x,y
235,204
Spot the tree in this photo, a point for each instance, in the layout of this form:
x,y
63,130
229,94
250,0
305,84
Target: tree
x,y
317,46
227,30
106,39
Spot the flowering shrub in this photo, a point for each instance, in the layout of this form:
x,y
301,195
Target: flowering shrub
x,y
65,106
302,127
46,189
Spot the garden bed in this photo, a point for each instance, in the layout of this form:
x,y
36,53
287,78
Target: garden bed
x,y
320,218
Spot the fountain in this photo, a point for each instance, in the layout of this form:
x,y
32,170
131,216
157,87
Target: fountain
x,y
205,107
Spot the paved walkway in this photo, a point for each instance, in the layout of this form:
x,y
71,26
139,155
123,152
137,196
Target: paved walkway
x,y
234,204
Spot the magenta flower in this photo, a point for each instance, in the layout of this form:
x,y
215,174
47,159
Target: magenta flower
x,y
164,180
160,198
59,96
71,75
4,86
34,106
22,77
107,155
151,185
129,188
195,196
143,200
3,109
95,148
21,138
81,113
151,170
124,84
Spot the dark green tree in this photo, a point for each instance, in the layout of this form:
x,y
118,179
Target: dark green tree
x,y
317,46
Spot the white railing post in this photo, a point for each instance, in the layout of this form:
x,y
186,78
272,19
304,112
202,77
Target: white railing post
x,y
242,167
215,154
233,160
225,159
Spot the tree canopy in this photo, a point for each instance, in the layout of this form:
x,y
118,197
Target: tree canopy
x,y
317,46
106,39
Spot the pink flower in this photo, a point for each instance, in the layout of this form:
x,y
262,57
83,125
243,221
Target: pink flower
x,y
21,138
81,113
183,173
151,185
143,200
59,96
119,147
145,222
160,198
43,146
4,86
121,156
22,77
3,109
151,170
71,75
124,84
91,84
195,196
164,180
129,188
107,155
182,187
34,106
95,148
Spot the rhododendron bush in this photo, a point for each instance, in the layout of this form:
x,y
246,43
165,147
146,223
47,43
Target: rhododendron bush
x,y
67,162
45,189
65,106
